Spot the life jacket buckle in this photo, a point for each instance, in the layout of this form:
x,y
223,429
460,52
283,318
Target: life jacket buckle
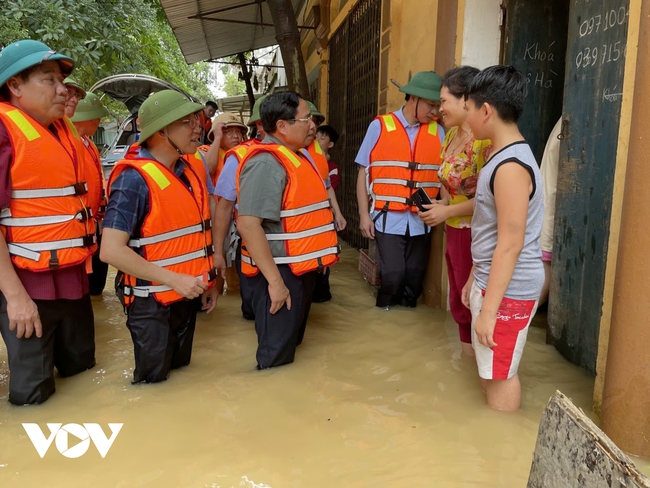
x,y
411,184
89,240
209,251
207,224
54,260
80,188
413,165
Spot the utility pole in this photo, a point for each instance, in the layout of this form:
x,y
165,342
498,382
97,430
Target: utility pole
x,y
288,37
247,79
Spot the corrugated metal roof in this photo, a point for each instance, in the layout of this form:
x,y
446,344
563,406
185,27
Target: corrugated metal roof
x,y
201,39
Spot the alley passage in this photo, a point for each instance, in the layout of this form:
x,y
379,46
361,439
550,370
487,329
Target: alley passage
x,y
374,398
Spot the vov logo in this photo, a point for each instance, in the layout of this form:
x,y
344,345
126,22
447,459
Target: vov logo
x,y
60,432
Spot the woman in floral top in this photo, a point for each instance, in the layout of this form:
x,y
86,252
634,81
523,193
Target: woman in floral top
x,y
462,159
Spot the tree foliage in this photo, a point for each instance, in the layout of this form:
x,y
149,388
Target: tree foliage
x,y
233,85
106,37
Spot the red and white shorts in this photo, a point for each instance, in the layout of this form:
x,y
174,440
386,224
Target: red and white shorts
x,y
513,319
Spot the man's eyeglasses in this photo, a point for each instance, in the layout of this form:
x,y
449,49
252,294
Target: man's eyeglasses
x,y
74,93
193,121
232,132
306,119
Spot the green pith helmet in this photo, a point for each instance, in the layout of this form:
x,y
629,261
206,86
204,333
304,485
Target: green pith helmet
x,y
313,109
21,55
90,108
255,117
70,82
163,108
425,84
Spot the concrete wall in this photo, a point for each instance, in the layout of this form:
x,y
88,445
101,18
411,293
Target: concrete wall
x,y
481,33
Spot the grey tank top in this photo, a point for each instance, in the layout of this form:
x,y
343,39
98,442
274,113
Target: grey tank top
x,y
528,276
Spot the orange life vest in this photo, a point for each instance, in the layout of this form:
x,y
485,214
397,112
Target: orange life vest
x,y
220,163
396,171
176,233
49,223
309,235
196,161
316,153
96,182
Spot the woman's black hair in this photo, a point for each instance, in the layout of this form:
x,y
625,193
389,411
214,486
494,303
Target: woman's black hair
x,y
457,80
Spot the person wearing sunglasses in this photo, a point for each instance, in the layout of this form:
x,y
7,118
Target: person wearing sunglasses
x,y
157,233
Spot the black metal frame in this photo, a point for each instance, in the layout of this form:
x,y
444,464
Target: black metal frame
x,y
353,101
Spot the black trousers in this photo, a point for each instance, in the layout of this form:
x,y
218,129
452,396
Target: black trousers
x,y
402,265
67,344
162,336
97,279
280,333
245,291
322,287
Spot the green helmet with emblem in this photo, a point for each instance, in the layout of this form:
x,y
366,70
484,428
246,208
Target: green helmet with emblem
x,y
255,116
425,84
163,108
318,117
21,55
70,82
90,108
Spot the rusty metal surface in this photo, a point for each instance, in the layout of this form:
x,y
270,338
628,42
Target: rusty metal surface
x,y
353,94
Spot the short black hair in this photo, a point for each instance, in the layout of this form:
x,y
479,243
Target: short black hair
x,y
457,80
329,131
212,104
503,87
278,106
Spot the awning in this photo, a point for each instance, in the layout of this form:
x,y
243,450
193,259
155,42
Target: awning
x,y
212,29
238,104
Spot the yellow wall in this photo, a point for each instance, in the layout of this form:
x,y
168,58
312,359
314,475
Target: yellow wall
x,y
411,46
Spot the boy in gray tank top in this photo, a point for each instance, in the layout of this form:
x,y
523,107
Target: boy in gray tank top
x,y
504,287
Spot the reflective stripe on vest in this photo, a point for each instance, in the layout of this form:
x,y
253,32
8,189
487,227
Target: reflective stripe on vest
x,y
297,259
306,209
167,236
45,220
145,291
404,164
33,251
66,191
302,234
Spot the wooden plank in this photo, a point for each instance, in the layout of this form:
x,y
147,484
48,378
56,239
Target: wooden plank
x,y
572,451
617,197
592,107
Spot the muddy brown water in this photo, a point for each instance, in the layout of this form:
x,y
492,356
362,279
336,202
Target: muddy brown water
x,y
374,399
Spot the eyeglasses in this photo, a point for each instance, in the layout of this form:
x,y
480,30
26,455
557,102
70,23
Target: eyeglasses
x,y
232,132
193,121
306,119
74,93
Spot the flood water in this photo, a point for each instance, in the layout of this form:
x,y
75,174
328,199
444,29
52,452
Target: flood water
x,y
374,399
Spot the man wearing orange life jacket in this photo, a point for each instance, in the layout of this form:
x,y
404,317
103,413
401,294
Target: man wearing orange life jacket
x,y
86,118
400,154
205,119
46,229
227,244
286,224
226,133
157,232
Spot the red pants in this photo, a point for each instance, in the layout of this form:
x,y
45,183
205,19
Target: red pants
x,y
459,266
